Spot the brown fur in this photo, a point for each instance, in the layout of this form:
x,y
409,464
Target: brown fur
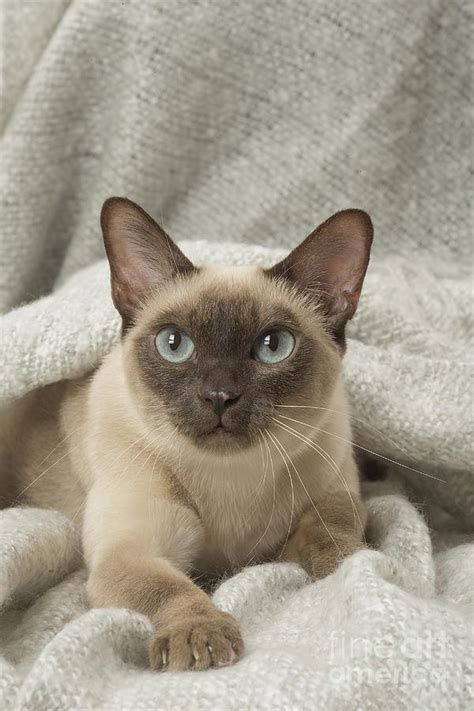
x,y
164,486
326,536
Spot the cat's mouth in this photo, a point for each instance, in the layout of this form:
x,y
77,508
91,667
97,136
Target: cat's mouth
x,y
229,431
221,435
220,430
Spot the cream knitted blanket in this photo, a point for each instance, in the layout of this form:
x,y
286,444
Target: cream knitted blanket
x,y
236,125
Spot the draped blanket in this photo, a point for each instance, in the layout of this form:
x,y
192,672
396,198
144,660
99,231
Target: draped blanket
x,y
240,127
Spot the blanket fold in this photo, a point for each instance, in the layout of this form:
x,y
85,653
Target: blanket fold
x,y
368,634
240,127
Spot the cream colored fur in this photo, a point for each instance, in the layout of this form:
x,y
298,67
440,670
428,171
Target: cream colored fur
x,y
151,500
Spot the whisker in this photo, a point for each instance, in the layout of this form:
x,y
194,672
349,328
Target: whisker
x,y
152,474
59,444
255,495
249,560
309,497
273,438
151,500
364,449
261,447
40,476
356,419
329,460
263,478
116,480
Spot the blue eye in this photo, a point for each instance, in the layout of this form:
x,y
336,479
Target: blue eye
x,y
274,346
174,345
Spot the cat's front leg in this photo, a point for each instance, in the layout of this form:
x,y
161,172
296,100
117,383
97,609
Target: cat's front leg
x,y
327,533
140,566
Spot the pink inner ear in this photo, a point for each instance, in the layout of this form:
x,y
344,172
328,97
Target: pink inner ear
x,y
140,253
346,260
331,263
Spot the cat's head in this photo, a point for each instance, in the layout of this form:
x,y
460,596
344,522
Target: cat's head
x,y
212,352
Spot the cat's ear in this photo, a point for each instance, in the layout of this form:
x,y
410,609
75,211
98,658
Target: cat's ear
x,y
330,265
141,255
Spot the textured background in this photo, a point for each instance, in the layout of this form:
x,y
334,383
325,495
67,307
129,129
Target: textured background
x,y
240,126
251,124
248,123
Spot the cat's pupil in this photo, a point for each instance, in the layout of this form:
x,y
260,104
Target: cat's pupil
x,y
174,339
271,340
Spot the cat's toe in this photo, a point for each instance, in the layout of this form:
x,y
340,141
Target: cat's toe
x,y
158,653
197,645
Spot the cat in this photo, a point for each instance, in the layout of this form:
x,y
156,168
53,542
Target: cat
x,y
184,454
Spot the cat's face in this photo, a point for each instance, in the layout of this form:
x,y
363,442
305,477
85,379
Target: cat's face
x,y
213,351
221,348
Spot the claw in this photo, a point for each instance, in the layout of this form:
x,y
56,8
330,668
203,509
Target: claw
x,y
230,661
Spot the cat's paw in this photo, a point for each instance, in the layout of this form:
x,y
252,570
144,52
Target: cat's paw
x,y
320,560
211,640
318,549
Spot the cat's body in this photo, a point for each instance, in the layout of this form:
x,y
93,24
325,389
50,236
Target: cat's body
x,y
55,426
162,488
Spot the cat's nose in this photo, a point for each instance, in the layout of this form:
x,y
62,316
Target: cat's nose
x,y
220,399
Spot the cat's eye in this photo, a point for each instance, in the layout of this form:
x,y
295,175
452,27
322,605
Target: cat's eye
x,y
274,346
174,345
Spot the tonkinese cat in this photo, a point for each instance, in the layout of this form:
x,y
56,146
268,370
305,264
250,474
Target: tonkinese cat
x,y
185,454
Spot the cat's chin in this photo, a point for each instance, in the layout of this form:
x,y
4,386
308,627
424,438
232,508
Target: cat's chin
x,y
221,440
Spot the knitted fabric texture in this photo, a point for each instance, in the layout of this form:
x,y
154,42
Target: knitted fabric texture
x,y
240,127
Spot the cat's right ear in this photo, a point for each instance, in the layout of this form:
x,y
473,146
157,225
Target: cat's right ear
x,y
141,255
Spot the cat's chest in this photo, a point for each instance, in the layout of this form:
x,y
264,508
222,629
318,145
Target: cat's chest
x,y
243,526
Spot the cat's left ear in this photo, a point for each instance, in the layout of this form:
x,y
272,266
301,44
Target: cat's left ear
x,y
141,255
330,265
